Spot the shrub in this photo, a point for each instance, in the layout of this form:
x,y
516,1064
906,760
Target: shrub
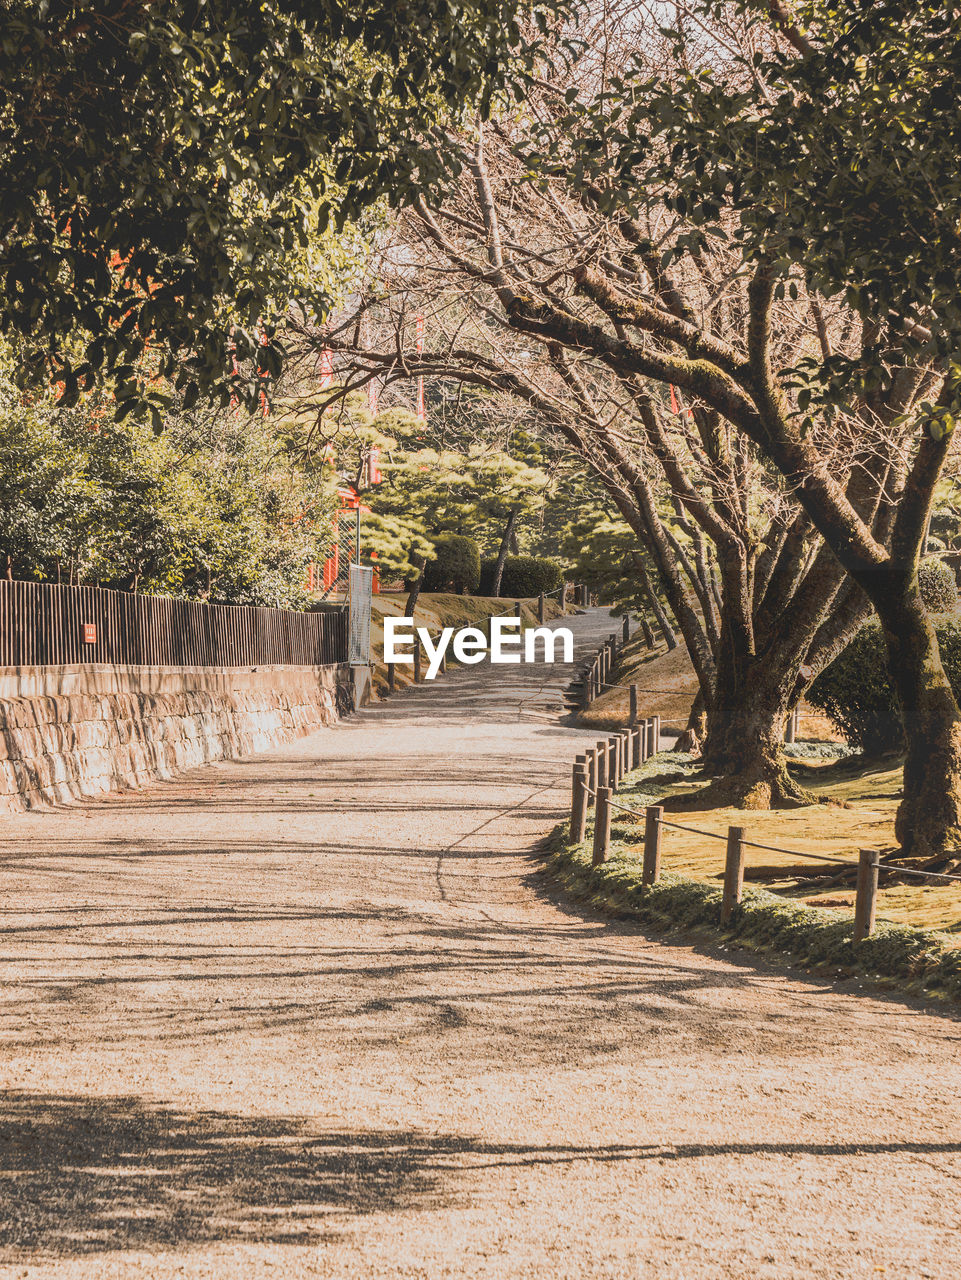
x,y
854,692
523,576
456,566
939,588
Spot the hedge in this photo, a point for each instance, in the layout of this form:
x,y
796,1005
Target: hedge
x,y
523,576
456,566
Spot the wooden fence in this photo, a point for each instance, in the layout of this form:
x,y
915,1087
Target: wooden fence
x,y
42,624
598,772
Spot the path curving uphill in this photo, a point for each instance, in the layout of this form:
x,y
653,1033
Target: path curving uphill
x,y
316,1014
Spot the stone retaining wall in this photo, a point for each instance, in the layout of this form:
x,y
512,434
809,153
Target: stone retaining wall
x,y
70,732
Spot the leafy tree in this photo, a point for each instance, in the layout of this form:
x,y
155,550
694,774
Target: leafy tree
x,y
821,157
212,508
164,167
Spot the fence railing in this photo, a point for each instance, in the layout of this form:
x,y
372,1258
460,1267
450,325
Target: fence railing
x,y
597,773
43,624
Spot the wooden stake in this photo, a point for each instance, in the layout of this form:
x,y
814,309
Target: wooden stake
x,y
602,827
733,872
865,904
651,872
579,801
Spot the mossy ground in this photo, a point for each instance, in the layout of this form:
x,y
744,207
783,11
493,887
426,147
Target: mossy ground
x,y
858,803
917,959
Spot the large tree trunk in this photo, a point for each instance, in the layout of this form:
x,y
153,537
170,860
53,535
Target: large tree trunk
x,y
928,823
502,553
744,743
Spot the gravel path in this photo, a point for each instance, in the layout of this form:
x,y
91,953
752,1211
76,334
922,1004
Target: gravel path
x,y
316,1014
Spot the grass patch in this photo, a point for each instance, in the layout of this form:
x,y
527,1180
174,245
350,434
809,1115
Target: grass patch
x,y
653,671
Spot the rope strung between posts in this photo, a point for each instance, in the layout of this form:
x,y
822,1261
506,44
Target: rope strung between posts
x,y
773,848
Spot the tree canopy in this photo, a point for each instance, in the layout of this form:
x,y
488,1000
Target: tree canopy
x,y
163,168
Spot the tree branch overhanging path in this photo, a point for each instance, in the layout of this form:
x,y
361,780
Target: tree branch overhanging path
x,y
606,264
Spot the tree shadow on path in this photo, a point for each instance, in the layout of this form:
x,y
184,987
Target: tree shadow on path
x,y
81,1175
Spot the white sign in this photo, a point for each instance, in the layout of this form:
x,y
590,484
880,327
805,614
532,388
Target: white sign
x,y
469,644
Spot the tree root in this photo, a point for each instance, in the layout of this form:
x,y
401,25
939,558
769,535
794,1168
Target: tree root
x,y
751,789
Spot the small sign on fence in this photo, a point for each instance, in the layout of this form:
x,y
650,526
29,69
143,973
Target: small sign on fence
x,y
90,633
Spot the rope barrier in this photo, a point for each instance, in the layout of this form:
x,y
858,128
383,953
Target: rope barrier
x,y
693,831
796,853
916,871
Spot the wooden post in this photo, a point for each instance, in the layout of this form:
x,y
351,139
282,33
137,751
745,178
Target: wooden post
x,y
585,596
602,827
517,607
579,801
591,760
657,734
417,663
789,729
626,630
733,872
541,609
865,903
600,752
632,714
627,737
652,844
649,726
613,763
391,676
638,735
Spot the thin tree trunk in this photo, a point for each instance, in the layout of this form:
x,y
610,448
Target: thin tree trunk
x,y
660,616
502,553
414,594
928,822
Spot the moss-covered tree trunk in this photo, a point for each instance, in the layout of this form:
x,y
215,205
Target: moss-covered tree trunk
x,y
929,818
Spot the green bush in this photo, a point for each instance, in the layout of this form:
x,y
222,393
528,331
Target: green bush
x,y
939,588
855,693
523,576
456,566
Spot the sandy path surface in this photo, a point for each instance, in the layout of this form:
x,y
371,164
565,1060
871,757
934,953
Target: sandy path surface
x,y
315,1014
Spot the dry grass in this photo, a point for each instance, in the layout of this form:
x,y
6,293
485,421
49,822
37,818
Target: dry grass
x,y
666,687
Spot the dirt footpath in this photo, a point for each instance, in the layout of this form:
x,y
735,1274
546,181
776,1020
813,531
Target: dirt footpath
x,y
315,1014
